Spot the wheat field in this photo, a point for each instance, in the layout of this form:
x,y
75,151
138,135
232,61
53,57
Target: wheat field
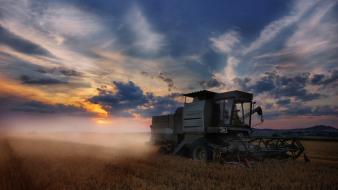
x,y
45,163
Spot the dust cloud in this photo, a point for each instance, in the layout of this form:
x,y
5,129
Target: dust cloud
x,y
116,136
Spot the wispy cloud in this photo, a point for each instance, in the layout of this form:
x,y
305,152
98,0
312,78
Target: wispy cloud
x,y
315,34
147,39
20,44
229,73
52,26
283,74
69,21
226,42
270,31
312,44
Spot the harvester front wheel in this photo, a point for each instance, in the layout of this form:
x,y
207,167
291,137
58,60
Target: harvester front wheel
x,y
200,151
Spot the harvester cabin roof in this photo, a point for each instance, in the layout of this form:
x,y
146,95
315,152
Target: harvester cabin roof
x,y
205,94
234,94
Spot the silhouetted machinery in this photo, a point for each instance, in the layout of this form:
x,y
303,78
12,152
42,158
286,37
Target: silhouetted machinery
x,y
217,126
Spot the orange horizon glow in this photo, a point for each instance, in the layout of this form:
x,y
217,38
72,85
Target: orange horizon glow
x,y
121,122
15,89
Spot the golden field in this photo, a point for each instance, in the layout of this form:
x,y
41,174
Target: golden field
x,y
58,163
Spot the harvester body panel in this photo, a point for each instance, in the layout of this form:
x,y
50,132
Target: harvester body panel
x,y
193,117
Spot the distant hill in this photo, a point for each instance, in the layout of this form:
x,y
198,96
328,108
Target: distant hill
x,y
315,132
321,128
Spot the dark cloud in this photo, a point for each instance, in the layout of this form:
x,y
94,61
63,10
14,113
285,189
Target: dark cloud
x,y
30,73
285,88
60,70
159,105
129,98
15,66
162,76
281,86
283,101
317,79
145,73
243,83
21,104
212,83
7,102
299,110
168,80
213,61
20,44
40,81
321,79
266,83
39,107
268,106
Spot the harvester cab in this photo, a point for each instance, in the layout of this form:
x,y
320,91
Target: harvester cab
x,y
226,112
214,125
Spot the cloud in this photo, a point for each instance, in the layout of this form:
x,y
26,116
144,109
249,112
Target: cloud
x,y
212,83
279,86
69,21
61,70
166,79
128,96
20,44
66,30
39,107
33,74
12,88
57,20
290,86
311,45
328,79
299,63
283,101
303,110
146,38
243,83
264,84
316,33
305,39
40,81
11,103
300,8
229,72
159,105
129,99
226,42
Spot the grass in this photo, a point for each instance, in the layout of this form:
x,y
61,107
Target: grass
x,y
37,163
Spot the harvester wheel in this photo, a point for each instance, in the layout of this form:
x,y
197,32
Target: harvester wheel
x,y
200,151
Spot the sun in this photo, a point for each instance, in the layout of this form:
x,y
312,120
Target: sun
x,y
102,121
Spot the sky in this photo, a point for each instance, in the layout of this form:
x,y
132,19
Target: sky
x,y
128,60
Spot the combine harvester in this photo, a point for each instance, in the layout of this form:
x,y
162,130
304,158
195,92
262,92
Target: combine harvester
x,y
217,126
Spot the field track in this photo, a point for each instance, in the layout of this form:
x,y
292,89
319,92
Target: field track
x,y
13,175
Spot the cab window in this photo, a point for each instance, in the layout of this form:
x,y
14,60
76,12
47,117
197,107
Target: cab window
x,y
241,113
